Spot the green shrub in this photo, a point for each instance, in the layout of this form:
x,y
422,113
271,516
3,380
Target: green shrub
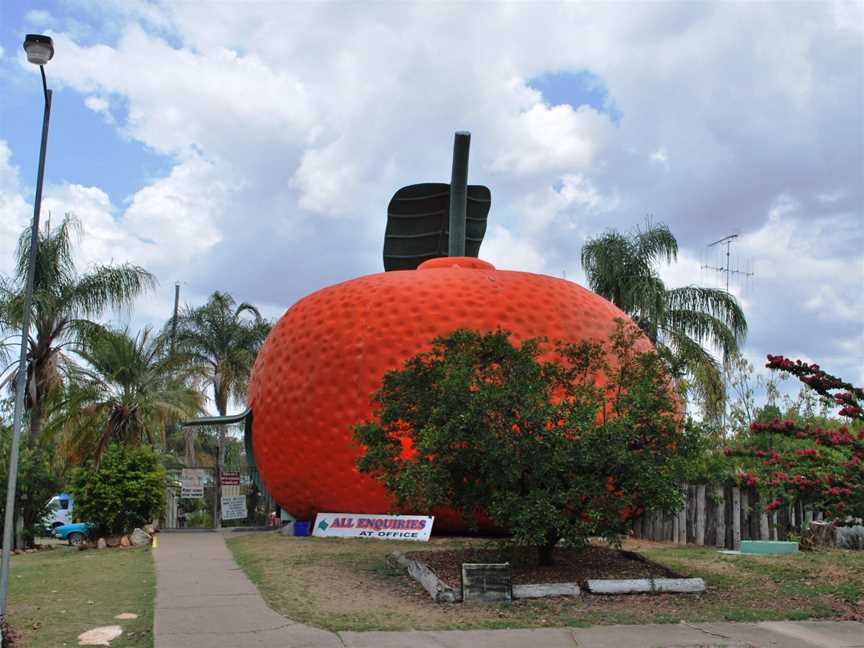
x,y
538,447
126,490
37,484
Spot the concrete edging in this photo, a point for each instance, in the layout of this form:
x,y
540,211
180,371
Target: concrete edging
x,y
440,591
542,590
645,585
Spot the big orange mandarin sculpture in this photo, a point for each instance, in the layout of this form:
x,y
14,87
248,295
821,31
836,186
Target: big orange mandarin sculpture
x,y
315,375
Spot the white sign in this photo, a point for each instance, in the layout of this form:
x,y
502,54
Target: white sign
x,y
234,507
385,527
192,483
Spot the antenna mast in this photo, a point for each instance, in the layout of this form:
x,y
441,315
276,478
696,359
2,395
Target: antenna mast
x,y
727,240
728,271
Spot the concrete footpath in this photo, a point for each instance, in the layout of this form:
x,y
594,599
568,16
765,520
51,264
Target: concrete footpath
x,y
204,600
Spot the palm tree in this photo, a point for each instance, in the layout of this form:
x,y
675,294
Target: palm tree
x,y
125,391
683,323
63,303
223,339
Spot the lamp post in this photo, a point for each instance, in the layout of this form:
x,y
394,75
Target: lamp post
x,y
40,50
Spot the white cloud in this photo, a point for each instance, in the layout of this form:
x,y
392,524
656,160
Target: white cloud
x,y
661,157
15,212
553,139
289,127
506,252
39,17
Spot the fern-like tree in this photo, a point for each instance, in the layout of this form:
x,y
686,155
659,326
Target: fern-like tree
x,y
685,323
125,391
65,303
222,339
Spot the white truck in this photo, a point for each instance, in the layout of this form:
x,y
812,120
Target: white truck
x,y
60,512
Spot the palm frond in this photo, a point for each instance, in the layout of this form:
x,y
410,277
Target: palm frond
x,y
718,304
689,357
108,287
656,243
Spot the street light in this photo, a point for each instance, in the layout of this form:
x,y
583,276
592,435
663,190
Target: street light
x,y
40,50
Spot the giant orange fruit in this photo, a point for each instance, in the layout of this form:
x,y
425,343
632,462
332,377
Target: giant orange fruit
x,y
318,369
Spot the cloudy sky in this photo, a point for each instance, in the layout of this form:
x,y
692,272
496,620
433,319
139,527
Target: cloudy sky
x,y
253,146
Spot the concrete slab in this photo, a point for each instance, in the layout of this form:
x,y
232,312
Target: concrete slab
x,y
648,636
551,638
204,600
830,634
768,547
714,635
749,634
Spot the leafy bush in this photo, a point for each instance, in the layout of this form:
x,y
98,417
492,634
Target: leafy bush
x,y
546,450
126,490
818,465
37,483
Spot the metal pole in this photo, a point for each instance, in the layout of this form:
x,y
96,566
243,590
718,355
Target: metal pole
x,y
220,461
21,382
459,193
174,319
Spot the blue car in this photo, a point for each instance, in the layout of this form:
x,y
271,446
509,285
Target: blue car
x,y
75,533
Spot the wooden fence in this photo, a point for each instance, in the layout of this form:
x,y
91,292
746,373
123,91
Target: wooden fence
x,y
723,516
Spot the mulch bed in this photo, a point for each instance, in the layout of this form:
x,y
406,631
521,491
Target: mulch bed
x,y
571,565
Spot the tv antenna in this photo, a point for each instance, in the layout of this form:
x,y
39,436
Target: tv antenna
x,y
727,269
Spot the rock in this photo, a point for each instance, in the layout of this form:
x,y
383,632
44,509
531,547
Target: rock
x,y
102,636
125,616
124,541
851,537
101,544
139,538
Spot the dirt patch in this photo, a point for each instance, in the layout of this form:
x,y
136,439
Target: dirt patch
x,y
570,565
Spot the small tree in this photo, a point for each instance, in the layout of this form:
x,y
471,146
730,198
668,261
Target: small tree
x,y
126,392
126,490
39,481
492,430
792,461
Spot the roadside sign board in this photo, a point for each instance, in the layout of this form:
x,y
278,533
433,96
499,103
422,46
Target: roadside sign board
x,y
384,527
192,483
231,478
234,507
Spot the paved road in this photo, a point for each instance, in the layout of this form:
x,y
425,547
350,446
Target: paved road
x,y
204,600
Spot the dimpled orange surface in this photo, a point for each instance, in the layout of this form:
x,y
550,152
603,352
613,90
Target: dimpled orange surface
x,y
321,363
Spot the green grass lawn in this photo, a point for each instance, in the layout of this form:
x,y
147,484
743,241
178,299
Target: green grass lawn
x,y
351,585
56,595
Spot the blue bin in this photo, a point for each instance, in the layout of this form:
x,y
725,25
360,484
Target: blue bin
x,y
301,528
